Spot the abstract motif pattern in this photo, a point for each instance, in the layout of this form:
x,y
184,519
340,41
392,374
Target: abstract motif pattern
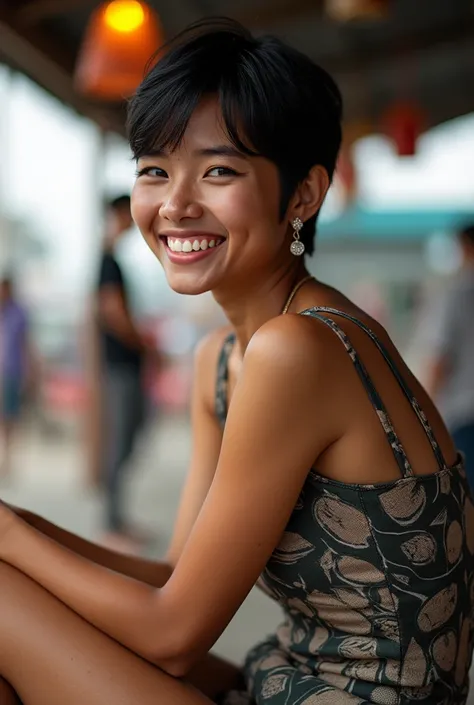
x,y
376,581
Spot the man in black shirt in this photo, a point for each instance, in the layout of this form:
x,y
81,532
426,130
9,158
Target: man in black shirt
x,y
123,349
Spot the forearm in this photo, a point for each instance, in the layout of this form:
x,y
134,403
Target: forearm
x,y
122,607
151,572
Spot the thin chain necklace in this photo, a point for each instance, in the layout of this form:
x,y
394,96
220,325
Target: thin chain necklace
x,y
294,291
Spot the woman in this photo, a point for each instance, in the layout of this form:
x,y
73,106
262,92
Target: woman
x,y
335,483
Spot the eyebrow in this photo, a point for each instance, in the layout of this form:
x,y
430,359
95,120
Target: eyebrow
x,y
222,150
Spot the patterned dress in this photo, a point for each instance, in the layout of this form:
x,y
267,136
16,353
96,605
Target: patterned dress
x,y
376,581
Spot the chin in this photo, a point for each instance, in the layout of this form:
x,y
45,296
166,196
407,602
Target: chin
x,y
187,283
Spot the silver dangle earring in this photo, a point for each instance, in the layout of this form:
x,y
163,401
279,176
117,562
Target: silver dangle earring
x,y
297,248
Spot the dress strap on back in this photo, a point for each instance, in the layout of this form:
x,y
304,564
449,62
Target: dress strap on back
x,y
397,448
222,378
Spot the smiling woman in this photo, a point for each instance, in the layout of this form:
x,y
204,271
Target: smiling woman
x,y
321,469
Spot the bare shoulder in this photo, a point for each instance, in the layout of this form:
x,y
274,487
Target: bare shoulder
x,y
292,343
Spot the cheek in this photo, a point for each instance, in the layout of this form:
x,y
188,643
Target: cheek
x,y
243,209
143,208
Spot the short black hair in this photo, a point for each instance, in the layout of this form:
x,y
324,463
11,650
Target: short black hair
x,y
466,234
118,203
275,101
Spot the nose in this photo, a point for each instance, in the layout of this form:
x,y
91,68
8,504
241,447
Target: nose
x,y
180,203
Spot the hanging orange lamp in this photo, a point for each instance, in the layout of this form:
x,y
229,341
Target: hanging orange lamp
x,y
403,124
348,10
121,37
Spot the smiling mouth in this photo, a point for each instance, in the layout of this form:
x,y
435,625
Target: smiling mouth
x,y
189,245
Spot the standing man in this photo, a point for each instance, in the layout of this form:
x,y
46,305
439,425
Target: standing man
x,y
122,352
451,364
14,364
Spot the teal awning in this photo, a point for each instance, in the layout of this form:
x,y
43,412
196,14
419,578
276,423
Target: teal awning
x,y
360,224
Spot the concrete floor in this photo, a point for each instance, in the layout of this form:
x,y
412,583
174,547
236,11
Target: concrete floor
x,y
48,478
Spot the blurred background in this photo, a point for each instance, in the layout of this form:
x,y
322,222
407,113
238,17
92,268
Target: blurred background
x,y
387,234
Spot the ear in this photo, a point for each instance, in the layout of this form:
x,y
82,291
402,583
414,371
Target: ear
x,y
310,194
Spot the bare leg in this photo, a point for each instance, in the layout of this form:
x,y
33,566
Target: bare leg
x,y
51,656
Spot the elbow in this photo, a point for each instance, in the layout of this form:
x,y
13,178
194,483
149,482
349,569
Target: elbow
x,y
176,668
175,657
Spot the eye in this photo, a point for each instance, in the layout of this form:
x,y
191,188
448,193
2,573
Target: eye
x,y
222,171
153,171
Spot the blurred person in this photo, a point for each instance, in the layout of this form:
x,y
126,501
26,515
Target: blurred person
x,y
321,468
14,367
451,353
122,356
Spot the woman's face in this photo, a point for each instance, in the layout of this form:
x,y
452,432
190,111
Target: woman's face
x,y
209,213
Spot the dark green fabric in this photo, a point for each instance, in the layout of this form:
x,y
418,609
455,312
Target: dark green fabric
x,y
376,581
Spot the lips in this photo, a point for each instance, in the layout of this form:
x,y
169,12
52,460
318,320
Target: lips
x,y
192,247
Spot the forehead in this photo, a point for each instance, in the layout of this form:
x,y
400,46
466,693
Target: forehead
x,y
205,129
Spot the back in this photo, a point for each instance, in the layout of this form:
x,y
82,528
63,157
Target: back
x,y
376,580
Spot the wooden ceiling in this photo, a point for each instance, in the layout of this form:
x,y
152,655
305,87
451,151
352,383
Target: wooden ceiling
x,y
422,49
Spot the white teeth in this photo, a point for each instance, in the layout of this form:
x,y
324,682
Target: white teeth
x,y
188,246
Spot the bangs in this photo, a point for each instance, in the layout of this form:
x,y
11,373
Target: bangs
x,y
164,128
189,69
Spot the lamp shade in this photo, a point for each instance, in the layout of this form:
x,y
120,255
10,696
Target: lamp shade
x,y
347,10
121,37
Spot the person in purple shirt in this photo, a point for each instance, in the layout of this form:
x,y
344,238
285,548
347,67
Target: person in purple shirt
x,y
13,366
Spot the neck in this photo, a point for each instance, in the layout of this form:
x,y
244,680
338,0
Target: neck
x,y
251,306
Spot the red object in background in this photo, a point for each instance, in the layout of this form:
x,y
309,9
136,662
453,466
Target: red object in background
x,y
63,392
121,37
403,124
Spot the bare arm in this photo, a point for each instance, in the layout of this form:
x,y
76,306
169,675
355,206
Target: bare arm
x,y
256,485
206,443
151,572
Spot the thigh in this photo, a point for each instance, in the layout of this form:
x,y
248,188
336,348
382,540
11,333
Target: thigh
x,y
51,656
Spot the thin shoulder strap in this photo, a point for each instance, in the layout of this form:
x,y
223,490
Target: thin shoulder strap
x,y
395,371
222,379
402,383
382,413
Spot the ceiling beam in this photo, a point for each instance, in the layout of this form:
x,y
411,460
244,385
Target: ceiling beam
x,y
36,10
30,56
279,11
400,49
